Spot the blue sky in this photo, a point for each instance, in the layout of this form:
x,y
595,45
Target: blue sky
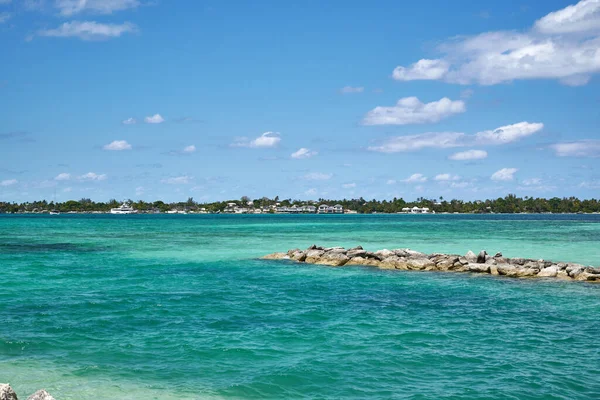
x,y
220,99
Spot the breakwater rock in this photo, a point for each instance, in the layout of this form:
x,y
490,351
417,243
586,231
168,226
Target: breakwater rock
x,y
406,259
7,393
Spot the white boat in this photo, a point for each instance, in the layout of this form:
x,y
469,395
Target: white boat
x,y
54,212
123,209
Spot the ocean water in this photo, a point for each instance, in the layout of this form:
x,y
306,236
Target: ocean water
x,y
179,307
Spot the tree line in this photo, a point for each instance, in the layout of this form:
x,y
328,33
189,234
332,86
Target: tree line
x,y
507,204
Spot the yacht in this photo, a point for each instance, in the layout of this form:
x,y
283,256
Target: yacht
x,y
123,209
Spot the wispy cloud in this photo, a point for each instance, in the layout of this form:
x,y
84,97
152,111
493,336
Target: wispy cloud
x,y
4,16
581,148
89,30
446,177
349,185
303,152
505,174
189,149
178,180
266,140
69,8
415,178
63,177
410,110
469,155
317,176
92,176
9,182
441,140
129,121
154,119
118,145
352,89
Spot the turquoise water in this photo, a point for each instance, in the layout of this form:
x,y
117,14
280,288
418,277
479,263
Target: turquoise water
x,y
178,307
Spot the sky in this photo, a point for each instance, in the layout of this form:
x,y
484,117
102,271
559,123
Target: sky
x,y
215,100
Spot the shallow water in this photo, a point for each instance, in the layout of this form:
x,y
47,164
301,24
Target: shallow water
x,y
178,307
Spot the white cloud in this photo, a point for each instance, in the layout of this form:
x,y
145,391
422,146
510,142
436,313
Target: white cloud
x,y
446,177
9,182
179,180
266,140
350,89
422,70
317,176
438,140
189,149
581,148
415,178
89,30
117,145
154,119
562,45
129,121
311,192
532,182
92,176
410,110
469,155
442,140
508,133
63,177
391,182
303,153
581,17
68,8
459,185
4,16
349,185
505,174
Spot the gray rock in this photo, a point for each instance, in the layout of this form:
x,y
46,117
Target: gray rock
x,y
6,392
356,253
336,249
420,263
385,253
549,272
313,256
356,248
414,253
470,256
299,256
498,254
517,261
506,269
275,256
479,268
334,259
481,257
463,260
40,395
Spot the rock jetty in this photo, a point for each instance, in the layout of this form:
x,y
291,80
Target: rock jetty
x,y
7,393
406,259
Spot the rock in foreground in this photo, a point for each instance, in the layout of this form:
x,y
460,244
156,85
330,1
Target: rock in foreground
x,y
40,395
406,259
6,392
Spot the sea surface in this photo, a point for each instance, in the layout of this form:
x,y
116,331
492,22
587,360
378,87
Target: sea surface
x,y
180,307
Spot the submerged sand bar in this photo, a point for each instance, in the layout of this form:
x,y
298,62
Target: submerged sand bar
x,y
406,259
